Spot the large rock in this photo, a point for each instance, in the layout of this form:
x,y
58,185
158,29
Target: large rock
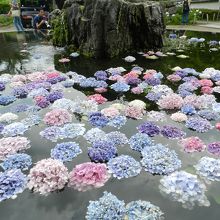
x,y
110,27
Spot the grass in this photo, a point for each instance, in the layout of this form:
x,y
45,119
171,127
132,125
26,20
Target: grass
x,y
4,1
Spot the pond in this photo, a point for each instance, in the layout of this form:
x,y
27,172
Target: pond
x,y
32,52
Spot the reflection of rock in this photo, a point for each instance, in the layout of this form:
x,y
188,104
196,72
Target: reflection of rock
x,y
108,28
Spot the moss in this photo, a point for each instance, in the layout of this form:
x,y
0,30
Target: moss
x,y
81,8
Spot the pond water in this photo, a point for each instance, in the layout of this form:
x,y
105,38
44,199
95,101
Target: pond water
x,y
70,204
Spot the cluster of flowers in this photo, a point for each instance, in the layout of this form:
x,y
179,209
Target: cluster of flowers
x,y
110,207
88,175
214,148
8,117
157,159
14,129
98,98
185,188
198,124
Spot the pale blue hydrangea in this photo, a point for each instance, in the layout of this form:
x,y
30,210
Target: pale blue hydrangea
x,y
73,130
120,87
65,151
158,159
14,129
117,121
32,120
208,168
198,124
94,135
12,182
38,92
139,141
118,138
17,161
52,133
208,114
124,166
185,188
108,207
143,210
6,99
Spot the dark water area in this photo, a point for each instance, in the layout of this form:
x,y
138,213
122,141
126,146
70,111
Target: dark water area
x,y
71,204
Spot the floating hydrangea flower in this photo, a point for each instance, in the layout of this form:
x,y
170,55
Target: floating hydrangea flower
x,y
12,182
6,99
156,116
143,210
120,87
137,103
68,83
73,130
117,121
118,138
102,151
17,161
134,112
158,159
85,107
38,92
214,148
32,120
1,127
152,96
178,117
139,141
209,168
8,117
94,135
14,129
198,124
12,145
174,78
192,144
188,109
170,101
149,128
100,90
185,188
107,207
101,75
172,132
208,114
52,133
53,96
41,101
65,151
98,119
20,92
124,166
20,108
63,104
137,90
110,112
98,98
88,175
47,175
57,117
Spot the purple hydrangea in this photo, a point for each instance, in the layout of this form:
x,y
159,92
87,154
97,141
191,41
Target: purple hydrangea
x,y
214,148
208,114
149,128
20,108
2,86
20,92
152,96
98,119
153,81
102,151
172,132
198,124
101,75
53,96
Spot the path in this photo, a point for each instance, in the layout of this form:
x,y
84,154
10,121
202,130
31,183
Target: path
x,y
206,5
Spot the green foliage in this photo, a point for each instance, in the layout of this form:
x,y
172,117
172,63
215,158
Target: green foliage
x,y
4,8
5,20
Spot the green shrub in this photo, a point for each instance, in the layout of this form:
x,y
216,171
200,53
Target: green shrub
x,y
5,20
4,8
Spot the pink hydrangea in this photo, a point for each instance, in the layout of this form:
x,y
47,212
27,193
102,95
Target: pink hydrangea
x,y
16,84
36,76
150,71
57,117
98,98
148,76
110,112
170,101
64,60
174,78
19,78
88,175
12,145
206,82
137,90
47,175
178,117
134,112
116,78
100,90
217,126
192,144
207,90
193,100
52,75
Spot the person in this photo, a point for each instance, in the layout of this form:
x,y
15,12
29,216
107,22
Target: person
x,y
186,9
16,18
40,21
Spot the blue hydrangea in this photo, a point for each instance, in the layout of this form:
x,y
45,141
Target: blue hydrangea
x,y
95,134
101,75
198,124
188,109
14,129
2,86
6,99
20,92
102,151
72,130
108,207
117,121
1,127
89,82
17,161
98,119
68,83
12,182
139,141
32,120
38,92
20,108
149,128
52,133
208,168
208,114
185,188
143,210
124,166
120,87
158,159
65,151
152,96
153,81
172,132
53,96
118,138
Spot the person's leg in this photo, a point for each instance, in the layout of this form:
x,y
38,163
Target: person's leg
x,y
183,18
16,23
187,17
20,24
